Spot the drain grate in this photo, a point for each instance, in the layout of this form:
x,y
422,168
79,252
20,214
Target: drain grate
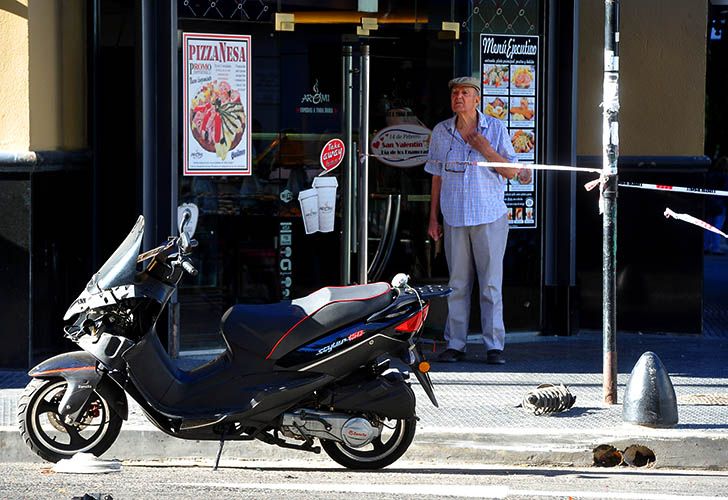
x,y
704,399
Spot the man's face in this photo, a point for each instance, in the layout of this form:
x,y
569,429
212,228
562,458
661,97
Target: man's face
x,y
464,99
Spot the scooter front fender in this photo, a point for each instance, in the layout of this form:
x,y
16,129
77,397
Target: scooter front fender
x,y
79,371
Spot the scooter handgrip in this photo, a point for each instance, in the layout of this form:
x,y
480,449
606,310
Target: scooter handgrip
x,y
187,266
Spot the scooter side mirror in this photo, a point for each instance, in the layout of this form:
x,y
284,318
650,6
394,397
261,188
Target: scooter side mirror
x,y
187,215
400,280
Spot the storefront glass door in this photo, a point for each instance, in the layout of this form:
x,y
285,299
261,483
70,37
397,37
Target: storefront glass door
x,y
253,247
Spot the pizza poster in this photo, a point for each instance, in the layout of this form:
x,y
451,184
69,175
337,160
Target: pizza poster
x,y
216,97
510,93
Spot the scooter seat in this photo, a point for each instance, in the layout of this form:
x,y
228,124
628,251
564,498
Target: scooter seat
x,y
271,331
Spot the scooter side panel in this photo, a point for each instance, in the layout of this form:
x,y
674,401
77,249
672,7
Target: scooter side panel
x,y
332,316
340,351
387,396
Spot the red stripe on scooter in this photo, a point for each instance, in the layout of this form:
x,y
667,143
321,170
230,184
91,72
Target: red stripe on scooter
x,y
317,310
59,370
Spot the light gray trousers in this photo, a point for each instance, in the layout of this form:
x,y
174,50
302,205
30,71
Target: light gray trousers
x,y
470,250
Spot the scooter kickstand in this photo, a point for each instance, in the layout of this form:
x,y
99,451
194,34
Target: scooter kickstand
x,y
219,451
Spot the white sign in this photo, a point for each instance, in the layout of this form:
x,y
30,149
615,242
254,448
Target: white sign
x,y
510,94
216,97
403,145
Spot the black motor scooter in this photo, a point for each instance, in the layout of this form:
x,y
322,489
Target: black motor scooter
x,y
292,372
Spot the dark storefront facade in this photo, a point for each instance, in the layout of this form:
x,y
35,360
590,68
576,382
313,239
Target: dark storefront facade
x,y
252,244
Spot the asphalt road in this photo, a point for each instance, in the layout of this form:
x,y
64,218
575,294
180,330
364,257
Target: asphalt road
x,y
409,480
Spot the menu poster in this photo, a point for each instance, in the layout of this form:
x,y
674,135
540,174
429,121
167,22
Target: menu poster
x,y
216,102
509,87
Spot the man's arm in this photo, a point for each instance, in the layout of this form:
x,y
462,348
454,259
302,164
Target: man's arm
x,y
434,228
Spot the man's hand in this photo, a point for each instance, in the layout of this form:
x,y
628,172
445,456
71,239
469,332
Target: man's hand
x,y
483,146
507,172
478,142
434,230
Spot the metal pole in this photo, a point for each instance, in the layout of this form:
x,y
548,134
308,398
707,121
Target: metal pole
x,y
170,46
610,141
147,113
364,162
347,193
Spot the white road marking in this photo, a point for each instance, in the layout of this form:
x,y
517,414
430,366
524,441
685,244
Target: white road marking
x,y
446,490
437,490
607,495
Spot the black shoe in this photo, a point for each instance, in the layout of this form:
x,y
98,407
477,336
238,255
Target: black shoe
x,y
450,356
494,357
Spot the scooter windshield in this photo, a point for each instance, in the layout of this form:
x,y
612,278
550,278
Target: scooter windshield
x,y
120,268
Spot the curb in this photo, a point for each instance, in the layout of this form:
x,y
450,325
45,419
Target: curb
x,y
528,448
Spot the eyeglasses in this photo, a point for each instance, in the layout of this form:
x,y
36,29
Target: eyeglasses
x,y
456,167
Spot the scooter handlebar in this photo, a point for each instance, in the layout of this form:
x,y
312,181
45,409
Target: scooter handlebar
x,y
189,268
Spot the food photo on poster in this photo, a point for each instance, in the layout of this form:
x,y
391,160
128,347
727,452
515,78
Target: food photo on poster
x,y
523,181
495,78
496,106
518,217
523,79
523,141
522,111
529,214
217,118
216,93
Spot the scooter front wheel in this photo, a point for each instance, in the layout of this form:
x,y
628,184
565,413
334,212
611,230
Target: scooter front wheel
x,y
46,432
396,437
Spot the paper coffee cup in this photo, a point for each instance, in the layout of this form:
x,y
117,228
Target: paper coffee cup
x,y
309,210
326,189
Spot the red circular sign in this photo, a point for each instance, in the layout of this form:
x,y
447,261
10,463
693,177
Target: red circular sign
x,y
332,154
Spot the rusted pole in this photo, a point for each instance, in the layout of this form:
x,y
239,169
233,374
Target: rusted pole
x,y
610,141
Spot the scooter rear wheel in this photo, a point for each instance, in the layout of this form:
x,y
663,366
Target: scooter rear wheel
x,y
383,451
46,433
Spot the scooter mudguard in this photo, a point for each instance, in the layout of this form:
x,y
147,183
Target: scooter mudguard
x,y
79,370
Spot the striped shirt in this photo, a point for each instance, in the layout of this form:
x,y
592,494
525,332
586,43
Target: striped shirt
x,y
470,195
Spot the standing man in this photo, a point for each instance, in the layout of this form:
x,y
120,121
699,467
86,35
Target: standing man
x,y
474,215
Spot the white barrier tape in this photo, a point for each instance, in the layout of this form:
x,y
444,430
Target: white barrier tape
x,y
531,166
694,220
676,189
592,184
661,187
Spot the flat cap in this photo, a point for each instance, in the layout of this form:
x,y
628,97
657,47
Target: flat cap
x,y
465,81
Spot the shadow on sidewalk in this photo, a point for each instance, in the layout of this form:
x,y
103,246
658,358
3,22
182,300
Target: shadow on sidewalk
x,y
495,470
682,355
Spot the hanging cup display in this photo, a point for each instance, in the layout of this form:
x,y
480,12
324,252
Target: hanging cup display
x,y
308,199
326,189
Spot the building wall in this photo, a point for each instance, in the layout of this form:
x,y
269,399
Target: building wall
x,y
662,77
42,75
14,119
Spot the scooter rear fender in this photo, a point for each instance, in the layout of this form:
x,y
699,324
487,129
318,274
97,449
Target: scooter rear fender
x,y
79,370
